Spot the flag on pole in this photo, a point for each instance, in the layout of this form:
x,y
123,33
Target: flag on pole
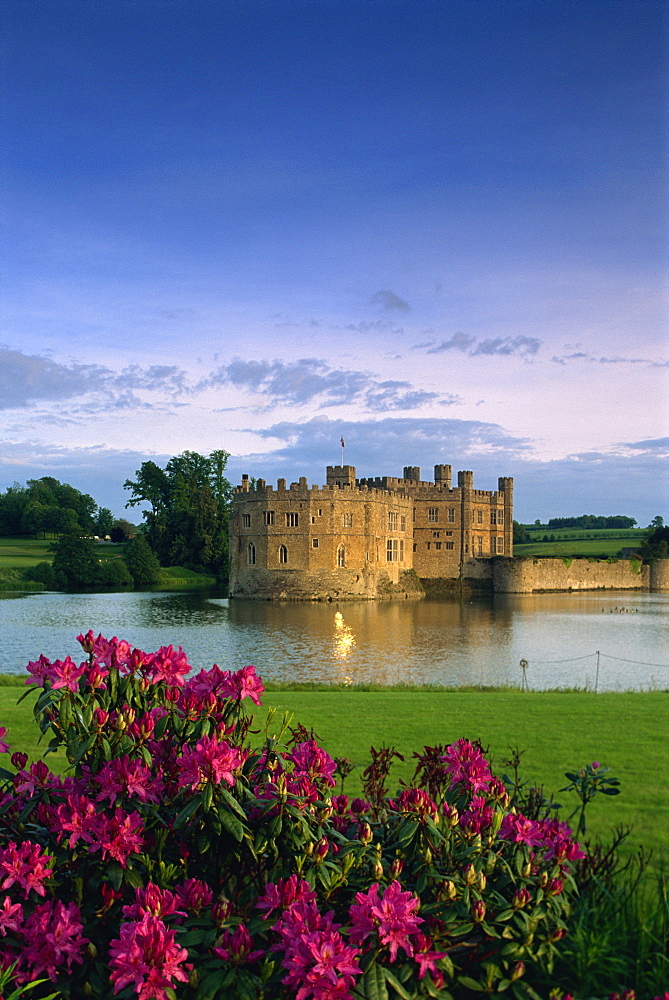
x,y
342,443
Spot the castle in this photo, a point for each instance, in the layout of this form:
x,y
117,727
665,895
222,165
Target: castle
x,y
365,538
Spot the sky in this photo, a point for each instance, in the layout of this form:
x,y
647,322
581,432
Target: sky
x,y
435,229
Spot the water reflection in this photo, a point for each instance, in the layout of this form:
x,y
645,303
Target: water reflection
x,y
440,642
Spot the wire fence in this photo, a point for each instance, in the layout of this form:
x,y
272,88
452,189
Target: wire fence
x,y
598,660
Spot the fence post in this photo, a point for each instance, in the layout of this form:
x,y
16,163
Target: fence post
x,y
597,673
523,667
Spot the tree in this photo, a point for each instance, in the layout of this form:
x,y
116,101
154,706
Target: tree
x,y
122,530
187,524
141,562
657,522
520,534
656,546
75,562
104,521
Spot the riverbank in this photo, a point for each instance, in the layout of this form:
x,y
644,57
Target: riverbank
x,y
558,730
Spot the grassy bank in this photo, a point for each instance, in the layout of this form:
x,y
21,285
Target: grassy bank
x,y
600,543
558,730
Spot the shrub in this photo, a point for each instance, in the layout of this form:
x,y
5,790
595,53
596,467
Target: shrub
x,y
185,856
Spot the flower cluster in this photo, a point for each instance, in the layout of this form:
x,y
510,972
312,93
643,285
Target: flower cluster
x,y
178,857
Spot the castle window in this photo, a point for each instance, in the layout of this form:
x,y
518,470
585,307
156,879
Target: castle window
x,y
498,545
283,554
448,533
437,545
436,534
252,554
314,543
320,511
479,517
479,542
392,550
500,517
268,516
246,520
493,515
403,522
433,513
313,520
341,556
451,514
415,547
450,545
392,520
347,520
292,520
429,545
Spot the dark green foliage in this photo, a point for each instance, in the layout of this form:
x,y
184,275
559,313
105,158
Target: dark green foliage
x,y
141,562
47,506
75,563
520,534
190,500
122,530
114,574
656,546
42,573
104,520
592,521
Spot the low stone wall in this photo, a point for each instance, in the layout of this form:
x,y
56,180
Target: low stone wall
x,y
525,576
335,585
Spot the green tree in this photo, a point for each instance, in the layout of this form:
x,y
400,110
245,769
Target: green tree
x,y
520,534
187,524
122,530
104,521
141,562
75,562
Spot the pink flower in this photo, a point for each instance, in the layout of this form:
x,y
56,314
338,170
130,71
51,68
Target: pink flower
x,y
40,670
392,916
427,958
236,947
467,766
116,836
4,747
37,777
11,916
53,939
319,962
147,957
153,900
75,817
66,674
26,866
125,777
285,892
212,761
168,665
194,894
313,762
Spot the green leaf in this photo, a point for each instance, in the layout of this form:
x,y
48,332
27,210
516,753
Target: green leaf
x,y
372,986
471,984
231,824
133,878
407,832
186,813
397,986
207,797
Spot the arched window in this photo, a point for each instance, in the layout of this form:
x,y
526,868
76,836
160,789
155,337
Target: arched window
x,y
283,554
252,554
341,556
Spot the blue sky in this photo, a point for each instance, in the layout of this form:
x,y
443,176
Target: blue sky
x,y
438,229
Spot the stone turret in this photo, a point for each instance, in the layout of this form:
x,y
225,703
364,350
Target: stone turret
x,y
340,475
442,476
412,472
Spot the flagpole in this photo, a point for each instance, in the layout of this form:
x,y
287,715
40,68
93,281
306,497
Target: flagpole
x,y
342,452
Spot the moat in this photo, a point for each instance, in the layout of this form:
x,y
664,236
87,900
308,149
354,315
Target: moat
x,y
425,642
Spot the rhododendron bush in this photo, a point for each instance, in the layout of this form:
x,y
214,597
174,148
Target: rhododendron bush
x,y
187,854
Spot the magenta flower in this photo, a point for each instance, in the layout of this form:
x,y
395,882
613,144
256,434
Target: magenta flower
x,y
125,777
116,836
11,916
392,916
26,866
154,901
168,665
194,894
236,947
75,817
147,957
426,957
66,674
53,940
282,894
313,762
4,747
467,766
211,762
40,670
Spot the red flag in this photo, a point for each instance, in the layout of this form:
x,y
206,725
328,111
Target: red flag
x,y
342,442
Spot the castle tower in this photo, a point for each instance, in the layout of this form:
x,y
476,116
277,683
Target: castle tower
x,y
340,475
442,476
412,472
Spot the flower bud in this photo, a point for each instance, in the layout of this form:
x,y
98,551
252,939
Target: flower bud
x,y
527,870
101,717
478,910
447,890
321,849
555,887
365,833
558,934
543,880
481,882
221,911
378,870
19,760
428,856
470,875
517,971
521,898
396,868
91,950
451,815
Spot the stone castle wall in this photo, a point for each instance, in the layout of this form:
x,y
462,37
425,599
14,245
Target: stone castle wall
x,y
525,576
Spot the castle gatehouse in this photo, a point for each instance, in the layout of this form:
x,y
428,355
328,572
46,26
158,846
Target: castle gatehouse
x,y
365,538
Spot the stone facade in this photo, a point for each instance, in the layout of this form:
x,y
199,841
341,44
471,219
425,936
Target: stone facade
x,y
365,538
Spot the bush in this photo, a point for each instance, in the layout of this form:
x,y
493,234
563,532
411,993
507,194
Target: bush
x,y
182,853
42,573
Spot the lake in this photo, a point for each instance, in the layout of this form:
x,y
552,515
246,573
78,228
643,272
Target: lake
x,y
612,640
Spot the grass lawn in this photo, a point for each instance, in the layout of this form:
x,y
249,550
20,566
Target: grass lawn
x,y
560,731
19,553
569,542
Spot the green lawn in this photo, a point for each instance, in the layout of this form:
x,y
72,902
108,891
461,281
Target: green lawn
x,y
19,553
569,542
560,731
